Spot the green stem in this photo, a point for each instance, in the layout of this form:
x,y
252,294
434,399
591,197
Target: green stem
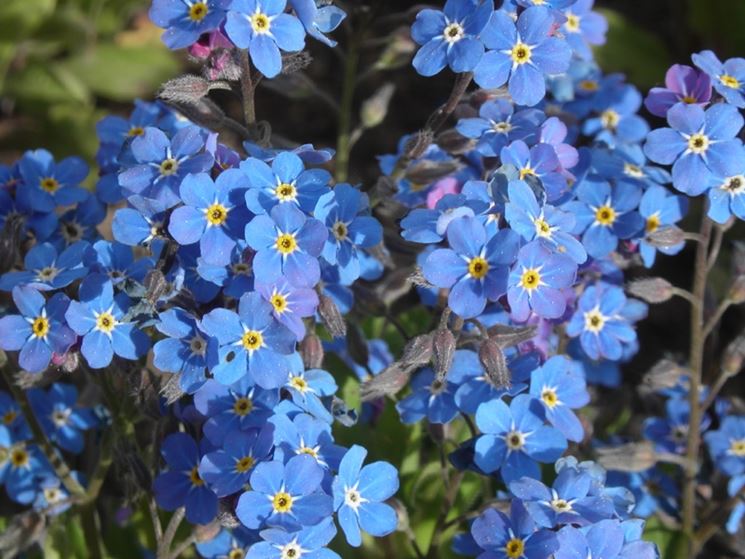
x,y
696,358
343,142
91,532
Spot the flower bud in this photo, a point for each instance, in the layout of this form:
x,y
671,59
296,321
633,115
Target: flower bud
x,y
311,350
451,141
418,351
509,336
426,171
331,317
664,374
375,108
733,357
631,457
392,379
651,290
495,364
666,237
443,351
737,290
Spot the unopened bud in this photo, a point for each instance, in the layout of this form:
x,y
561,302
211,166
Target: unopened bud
x,y
737,290
156,284
453,142
171,389
495,364
417,278
664,374
437,431
296,61
418,351
228,520
206,532
651,290
509,336
187,89
375,108
331,317
733,357
428,171
632,457
418,144
311,350
392,379
398,50
443,351
71,362
666,237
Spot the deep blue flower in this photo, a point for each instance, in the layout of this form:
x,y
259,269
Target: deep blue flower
x,y
318,19
304,434
45,270
99,318
600,323
521,54
498,125
185,348
185,274
604,540
25,465
212,214
539,161
228,469
132,227
39,331
549,225
430,398
359,493
60,417
285,495
604,215
160,164
241,406
287,243
584,28
727,188
79,223
512,537
659,208
695,141
653,489
47,184
252,343
475,267
12,418
308,387
728,78
536,281
617,121
117,261
670,433
237,278
52,497
286,181
628,164
560,387
41,224
515,438
450,37
291,304
727,445
308,543
261,27
181,485
231,543
185,20
342,211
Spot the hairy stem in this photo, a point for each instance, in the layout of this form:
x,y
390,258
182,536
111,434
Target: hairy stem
x,y
247,91
343,141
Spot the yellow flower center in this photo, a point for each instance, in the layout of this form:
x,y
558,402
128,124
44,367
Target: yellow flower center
x,y
282,502
279,302
588,85
241,269
260,23
236,553
49,184
689,100
734,185
521,53
10,417
526,172
478,267
605,215
286,243
244,464
653,223
19,457
453,33
216,214
198,11
252,340
194,477
169,167
609,119
47,274
40,326
633,170
105,322
514,548
737,448
549,397
515,440
243,406
561,505
530,279
340,230
698,143
542,228
730,81
502,127
136,131
309,451
299,383
285,192
572,23
594,321
52,495
198,346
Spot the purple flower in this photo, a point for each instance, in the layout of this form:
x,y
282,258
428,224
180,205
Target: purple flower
x,y
728,78
683,84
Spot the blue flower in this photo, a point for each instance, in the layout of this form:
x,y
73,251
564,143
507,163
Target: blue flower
x,y
450,37
12,418
241,406
512,537
560,387
515,438
184,350
498,125
60,417
475,267
431,398
604,539
181,485
261,27
599,322
604,214
359,494
47,184
536,282
41,224
212,214
132,227
45,270
728,185
252,343
727,445
52,497
160,164
99,318
185,21
304,434
728,78
117,261
285,495
308,542
228,469
584,28
287,243
318,20
617,121
549,225
659,208
670,433
79,223
696,141
39,331
349,231
228,543
308,387
286,181
25,464
290,304
426,226
521,54
539,161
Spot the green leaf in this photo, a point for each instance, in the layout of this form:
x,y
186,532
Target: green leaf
x,y
46,85
19,18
